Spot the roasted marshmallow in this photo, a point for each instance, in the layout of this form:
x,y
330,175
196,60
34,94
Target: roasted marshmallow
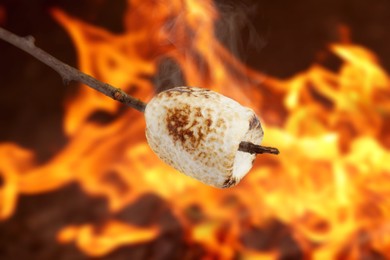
x,y
198,132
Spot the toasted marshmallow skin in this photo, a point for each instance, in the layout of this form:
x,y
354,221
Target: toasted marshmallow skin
x,y
198,132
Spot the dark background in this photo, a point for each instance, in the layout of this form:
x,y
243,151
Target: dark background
x,y
292,36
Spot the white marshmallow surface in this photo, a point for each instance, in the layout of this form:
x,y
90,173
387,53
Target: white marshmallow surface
x,y
198,132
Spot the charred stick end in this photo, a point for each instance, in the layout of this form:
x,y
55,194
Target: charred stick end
x,y
256,149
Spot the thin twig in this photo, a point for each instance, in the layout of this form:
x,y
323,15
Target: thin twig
x,y
256,149
69,73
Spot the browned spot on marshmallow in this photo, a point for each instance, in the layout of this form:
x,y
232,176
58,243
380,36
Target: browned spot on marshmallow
x,y
254,122
198,112
176,122
231,181
168,94
186,125
208,122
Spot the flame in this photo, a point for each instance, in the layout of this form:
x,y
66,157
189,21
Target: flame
x,y
113,234
328,190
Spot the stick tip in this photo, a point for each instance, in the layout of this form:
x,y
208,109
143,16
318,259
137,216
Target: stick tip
x,y
257,149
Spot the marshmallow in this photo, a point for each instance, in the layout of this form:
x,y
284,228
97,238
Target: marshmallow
x,y
198,132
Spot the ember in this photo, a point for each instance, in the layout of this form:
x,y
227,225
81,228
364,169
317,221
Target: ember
x,y
324,197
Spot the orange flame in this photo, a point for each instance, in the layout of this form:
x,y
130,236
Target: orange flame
x,y
329,186
114,234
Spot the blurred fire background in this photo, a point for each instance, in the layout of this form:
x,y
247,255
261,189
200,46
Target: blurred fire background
x,y
293,35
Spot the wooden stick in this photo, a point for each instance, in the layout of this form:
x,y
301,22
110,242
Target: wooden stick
x,y
256,149
69,73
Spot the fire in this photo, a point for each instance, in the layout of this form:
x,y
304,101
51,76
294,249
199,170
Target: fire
x,y
327,192
114,234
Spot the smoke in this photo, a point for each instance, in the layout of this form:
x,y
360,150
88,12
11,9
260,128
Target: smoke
x,y
168,75
237,28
